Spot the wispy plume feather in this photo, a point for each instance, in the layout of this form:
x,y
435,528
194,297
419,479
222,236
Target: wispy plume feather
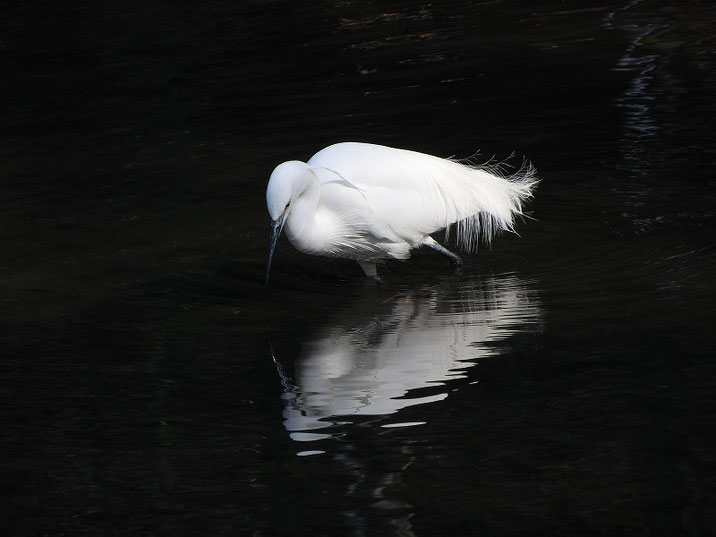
x,y
494,195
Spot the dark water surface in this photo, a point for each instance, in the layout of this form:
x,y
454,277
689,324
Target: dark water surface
x,y
563,382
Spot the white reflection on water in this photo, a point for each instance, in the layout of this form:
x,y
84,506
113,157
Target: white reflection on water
x,y
371,356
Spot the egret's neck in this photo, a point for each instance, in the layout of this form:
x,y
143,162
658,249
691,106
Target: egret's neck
x,y
301,223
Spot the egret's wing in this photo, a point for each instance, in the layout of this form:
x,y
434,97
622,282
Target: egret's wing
x,y
413,194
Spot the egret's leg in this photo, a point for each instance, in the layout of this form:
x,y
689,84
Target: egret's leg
x,y
432,243
369,268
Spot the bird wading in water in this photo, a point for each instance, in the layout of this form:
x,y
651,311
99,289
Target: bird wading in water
x,y
370,203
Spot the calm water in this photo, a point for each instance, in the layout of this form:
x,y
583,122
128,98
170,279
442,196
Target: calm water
x,y
561,383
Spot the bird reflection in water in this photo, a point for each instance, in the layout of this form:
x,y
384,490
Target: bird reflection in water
x,y
367,364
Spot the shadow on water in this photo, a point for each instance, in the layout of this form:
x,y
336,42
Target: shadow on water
x,y
381,354
364,391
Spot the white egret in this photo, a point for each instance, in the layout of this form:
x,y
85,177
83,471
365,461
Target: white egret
x,y
369,202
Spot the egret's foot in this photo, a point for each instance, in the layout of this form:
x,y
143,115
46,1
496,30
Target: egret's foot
x,y
455,259
376,281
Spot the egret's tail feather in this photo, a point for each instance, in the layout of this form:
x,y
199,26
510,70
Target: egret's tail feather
x,y
499,198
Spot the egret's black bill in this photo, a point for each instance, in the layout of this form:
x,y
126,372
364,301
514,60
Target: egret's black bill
x,y
276,227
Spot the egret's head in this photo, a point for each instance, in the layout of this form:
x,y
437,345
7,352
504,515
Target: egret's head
x,y
287,182
284,186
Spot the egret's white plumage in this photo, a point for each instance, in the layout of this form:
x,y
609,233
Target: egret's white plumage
x,y
370,202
